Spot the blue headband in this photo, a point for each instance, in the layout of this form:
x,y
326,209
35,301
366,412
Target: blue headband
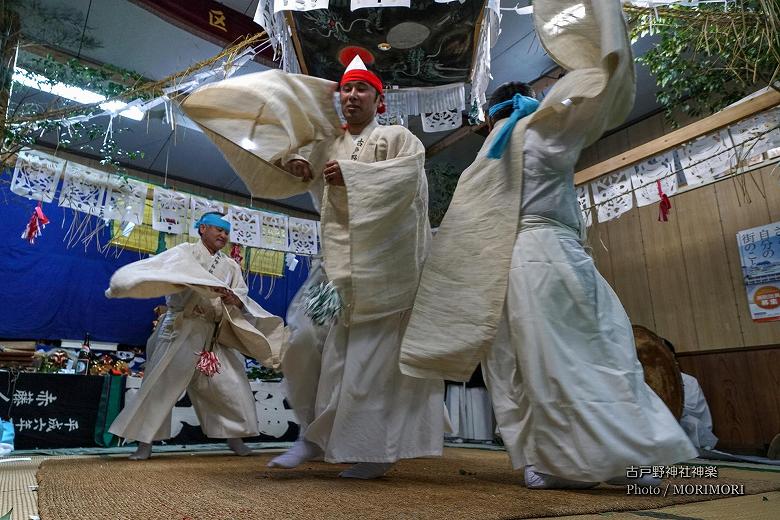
x,y
523,106
211,219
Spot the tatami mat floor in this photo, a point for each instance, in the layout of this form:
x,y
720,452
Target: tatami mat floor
x,y
18,487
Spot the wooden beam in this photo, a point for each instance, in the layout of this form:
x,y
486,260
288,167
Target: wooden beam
x,y
209,20
671,140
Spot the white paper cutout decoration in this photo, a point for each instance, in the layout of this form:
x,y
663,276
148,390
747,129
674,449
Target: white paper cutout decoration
x,y
442,121
299,5
612,185
303,236
169,211
612,194
661,167
199,206
615,207
36,175
245,226
583,199
754,136
125,200
583,196
706,158
274,231
587,217
83,189
359,4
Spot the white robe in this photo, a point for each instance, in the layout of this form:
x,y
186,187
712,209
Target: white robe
x,y
302,352
560,362
224,403
696,419
375,237
365,410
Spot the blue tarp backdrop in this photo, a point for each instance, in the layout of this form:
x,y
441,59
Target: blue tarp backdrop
x,y
53,292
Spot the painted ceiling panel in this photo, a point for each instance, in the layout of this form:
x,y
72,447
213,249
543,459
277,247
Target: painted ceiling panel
x,y
430,44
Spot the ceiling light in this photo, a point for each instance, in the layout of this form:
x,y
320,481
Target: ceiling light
x,y
77,94
384,46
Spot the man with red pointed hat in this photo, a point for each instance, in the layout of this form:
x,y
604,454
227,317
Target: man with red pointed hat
x,y
282,135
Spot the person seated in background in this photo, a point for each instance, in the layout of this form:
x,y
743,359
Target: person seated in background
x,y
696,419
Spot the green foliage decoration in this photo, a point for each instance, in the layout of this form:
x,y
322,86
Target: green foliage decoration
x,y
709,56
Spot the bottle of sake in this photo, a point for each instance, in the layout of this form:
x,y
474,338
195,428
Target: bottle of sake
x,y
82,364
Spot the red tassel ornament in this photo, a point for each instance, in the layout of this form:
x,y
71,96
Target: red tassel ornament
x,y
235,254
36,224
208,363
664,206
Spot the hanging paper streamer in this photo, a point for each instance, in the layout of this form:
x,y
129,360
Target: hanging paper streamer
x,y
656,169
83,189
303,236
245,226
36,224
706,158
587,217
274,231
125,200
480,73
36,175
199,206
583,199
169,211
583,196
319,236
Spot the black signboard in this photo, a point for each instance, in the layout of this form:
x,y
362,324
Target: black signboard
x,y
51,410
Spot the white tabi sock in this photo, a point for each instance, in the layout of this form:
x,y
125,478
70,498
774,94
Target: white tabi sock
x,y
367,470
301,451
143,452
238,447
536,480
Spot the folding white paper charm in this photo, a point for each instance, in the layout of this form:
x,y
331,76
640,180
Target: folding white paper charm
x,y
615,207
125,200
706,158
274,230
644,180
245,226
303,236
36,175
169,211
83,189
199,206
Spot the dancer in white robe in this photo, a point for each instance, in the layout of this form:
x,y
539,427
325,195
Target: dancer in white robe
x,y
509,282
375,236
223,402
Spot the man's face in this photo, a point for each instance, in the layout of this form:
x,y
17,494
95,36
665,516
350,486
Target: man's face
x,y
359,101
213,237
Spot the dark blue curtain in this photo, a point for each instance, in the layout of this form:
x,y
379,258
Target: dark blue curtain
x,y
51,291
